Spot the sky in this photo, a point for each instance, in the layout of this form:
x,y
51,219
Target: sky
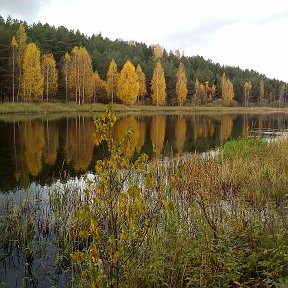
x,y
250,34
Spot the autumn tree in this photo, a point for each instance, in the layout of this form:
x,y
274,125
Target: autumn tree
x,y
227,89
82,74
181,85
157,52
14,46
158,85
200,93
100,89
281,97
32,78
66,74
210,90
178,54
112,80
50,75
261,90
128,86
247,93
141,81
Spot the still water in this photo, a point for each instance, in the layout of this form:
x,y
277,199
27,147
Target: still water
x,y
41,151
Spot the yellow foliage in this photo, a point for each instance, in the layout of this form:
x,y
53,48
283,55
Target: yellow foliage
x,y
141,81
157,52
247,92
67,64
128,86
100,88
81,73
32,79
227,89
50,75
112,80
158,85
181,85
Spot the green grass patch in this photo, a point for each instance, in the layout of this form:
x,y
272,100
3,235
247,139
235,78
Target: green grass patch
x,y
243,147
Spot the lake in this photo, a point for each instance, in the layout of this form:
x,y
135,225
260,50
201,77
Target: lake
x,y
41,151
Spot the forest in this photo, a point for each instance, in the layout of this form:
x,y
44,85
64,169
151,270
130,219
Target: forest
x,y
40,62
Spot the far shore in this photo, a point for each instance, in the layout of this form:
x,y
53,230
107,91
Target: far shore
x,y
9,109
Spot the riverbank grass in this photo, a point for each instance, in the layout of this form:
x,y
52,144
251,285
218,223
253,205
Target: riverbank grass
x,y
60,107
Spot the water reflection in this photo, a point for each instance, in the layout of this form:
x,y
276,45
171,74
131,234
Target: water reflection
x,y
157,133
40,150
77,142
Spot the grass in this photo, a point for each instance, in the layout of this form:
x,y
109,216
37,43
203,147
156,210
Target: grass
x,y
243,148
12,112
59,107
220,221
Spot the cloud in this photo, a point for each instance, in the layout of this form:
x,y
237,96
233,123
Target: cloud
x,y
197,36
23,9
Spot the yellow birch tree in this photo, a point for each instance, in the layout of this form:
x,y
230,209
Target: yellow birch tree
x,y
112,80
247,93
50,75
141,81
128,86
32,78
227,89
181,85
67,73
82,74
158,85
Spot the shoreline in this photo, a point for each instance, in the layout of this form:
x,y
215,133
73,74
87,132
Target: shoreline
x,y
10,111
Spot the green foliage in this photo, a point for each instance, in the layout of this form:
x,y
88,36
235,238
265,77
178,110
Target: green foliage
x,y
243,147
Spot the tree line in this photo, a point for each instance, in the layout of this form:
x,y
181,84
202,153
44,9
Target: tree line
x,y
44,63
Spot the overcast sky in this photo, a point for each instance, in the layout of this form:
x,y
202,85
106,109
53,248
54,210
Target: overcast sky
x,y
247,33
